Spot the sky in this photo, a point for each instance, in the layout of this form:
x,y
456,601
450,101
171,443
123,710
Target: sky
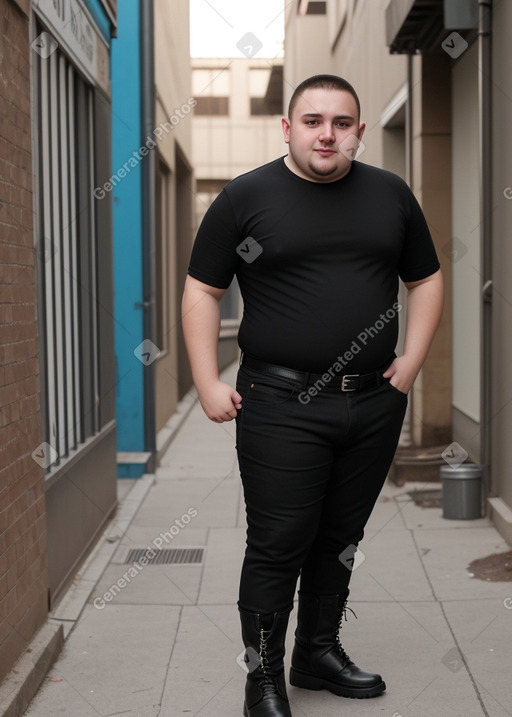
x,y
236,28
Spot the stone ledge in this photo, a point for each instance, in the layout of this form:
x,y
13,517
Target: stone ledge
x,y
23,681
417,464
501,516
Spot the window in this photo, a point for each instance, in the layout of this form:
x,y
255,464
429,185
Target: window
x,y
211,89
212,106
266,90
67,255
316,8
312,7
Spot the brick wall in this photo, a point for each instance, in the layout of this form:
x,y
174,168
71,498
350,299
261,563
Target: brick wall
x,y
23,568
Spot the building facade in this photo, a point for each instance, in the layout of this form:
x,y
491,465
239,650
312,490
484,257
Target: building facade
x,y
152,191
23,564
58,486
71,113
435,88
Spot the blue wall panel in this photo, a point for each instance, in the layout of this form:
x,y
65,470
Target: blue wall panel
x,y
127,212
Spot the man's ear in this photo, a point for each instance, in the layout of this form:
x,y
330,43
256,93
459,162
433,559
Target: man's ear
x,y
285,125
362,128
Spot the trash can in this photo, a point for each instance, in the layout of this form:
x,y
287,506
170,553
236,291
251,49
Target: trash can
x,y
462,491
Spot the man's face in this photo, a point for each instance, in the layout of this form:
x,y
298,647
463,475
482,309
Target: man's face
x,y
323,134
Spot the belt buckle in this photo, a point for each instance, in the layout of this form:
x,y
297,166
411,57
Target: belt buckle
x,y
346,378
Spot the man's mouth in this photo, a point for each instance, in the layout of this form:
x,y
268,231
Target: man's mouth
x,y
325,152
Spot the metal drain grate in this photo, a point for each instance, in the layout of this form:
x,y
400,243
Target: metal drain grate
x,y
427,498
169,556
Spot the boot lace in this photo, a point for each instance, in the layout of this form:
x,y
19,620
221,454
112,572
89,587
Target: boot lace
x,y
267,685
337,642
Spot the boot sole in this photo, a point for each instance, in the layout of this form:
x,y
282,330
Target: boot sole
x,y
310,682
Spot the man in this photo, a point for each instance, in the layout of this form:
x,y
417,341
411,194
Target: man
x,y
317,242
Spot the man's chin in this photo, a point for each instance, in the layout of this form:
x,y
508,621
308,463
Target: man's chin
x,y
333,171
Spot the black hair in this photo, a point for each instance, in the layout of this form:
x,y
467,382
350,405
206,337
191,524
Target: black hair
x,y
326,82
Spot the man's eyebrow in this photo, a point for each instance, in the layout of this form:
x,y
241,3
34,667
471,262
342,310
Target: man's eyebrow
x,y
317,114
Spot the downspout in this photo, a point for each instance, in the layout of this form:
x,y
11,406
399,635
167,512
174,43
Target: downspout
x,y
408,430
148,219
485,178
408,123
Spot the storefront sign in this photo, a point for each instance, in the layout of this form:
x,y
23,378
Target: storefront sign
x,y
73,29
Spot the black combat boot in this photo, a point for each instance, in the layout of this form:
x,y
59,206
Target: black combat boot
x,y
265,689
319,660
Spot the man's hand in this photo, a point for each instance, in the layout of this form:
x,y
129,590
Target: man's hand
x,y
402,373
424,307
220,401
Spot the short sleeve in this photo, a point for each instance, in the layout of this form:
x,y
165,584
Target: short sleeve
x,y
214,258
418,259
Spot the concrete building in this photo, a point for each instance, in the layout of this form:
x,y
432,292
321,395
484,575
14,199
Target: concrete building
x,y
96,215
236,127
23,564
57,483
436,99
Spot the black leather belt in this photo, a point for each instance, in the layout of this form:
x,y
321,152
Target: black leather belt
x,y
347,382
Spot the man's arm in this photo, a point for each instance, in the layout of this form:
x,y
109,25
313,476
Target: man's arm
x,y
424,309
201,325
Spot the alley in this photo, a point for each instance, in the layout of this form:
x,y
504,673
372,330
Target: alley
x,y
168,642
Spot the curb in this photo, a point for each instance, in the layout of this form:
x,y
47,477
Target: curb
x,y
22,683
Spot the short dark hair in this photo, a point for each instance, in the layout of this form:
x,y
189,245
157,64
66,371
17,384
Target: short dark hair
x,y
325,82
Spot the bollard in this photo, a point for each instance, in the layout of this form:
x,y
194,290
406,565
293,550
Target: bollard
x,y
462,491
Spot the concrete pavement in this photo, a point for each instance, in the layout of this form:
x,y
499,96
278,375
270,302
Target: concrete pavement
x,y
164,639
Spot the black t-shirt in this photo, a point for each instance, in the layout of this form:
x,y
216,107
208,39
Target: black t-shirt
x,y
317,263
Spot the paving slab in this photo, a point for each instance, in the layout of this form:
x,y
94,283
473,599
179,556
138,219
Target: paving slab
x,y
221,575
483,629
115,663
216,501
381,576
446,555
152,585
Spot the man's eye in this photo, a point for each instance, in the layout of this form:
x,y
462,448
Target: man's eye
x,y
311,123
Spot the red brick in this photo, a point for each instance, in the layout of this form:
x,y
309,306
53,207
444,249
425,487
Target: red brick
x,y
23,569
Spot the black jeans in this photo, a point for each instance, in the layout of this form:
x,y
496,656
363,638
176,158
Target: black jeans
x,y
312,468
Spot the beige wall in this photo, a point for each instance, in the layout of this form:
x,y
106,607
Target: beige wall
x,y
501,425
226,146
360,55
173,91
466,233
306,50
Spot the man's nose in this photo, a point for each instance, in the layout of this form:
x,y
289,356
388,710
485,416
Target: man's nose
x,y
327,134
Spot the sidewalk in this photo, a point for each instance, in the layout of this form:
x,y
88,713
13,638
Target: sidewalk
x,y
165,640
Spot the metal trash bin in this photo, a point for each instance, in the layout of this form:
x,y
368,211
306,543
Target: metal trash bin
x,y
462,491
